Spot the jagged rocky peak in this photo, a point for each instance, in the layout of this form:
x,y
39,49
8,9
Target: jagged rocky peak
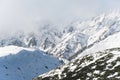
x,y
102,65
31,40
49,37
16,39
46,37
70,44
69,29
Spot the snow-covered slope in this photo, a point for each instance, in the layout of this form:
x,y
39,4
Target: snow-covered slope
x,y
17,63
102,65
101,27
79,36
70,44
110,42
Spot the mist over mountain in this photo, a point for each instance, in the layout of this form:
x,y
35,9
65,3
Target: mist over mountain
x,y
28,16
59,39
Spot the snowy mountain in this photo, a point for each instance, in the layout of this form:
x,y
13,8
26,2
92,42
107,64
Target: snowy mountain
x,y
45,38
93,47
17,63
83,35
67,42
70,44
82,43
102,65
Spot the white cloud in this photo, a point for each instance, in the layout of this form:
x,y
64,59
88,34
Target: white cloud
x,y
28,14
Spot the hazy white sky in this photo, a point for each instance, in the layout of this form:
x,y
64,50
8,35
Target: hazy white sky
x,y
29,14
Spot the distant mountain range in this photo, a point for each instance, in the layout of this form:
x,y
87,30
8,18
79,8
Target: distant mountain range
x,y
69,40
87,50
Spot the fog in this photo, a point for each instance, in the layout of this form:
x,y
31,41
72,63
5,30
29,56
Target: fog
x,y
29,15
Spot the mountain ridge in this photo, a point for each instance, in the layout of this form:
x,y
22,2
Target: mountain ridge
x,y
17,63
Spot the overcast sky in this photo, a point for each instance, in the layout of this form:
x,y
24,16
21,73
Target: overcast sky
x,y
29,14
